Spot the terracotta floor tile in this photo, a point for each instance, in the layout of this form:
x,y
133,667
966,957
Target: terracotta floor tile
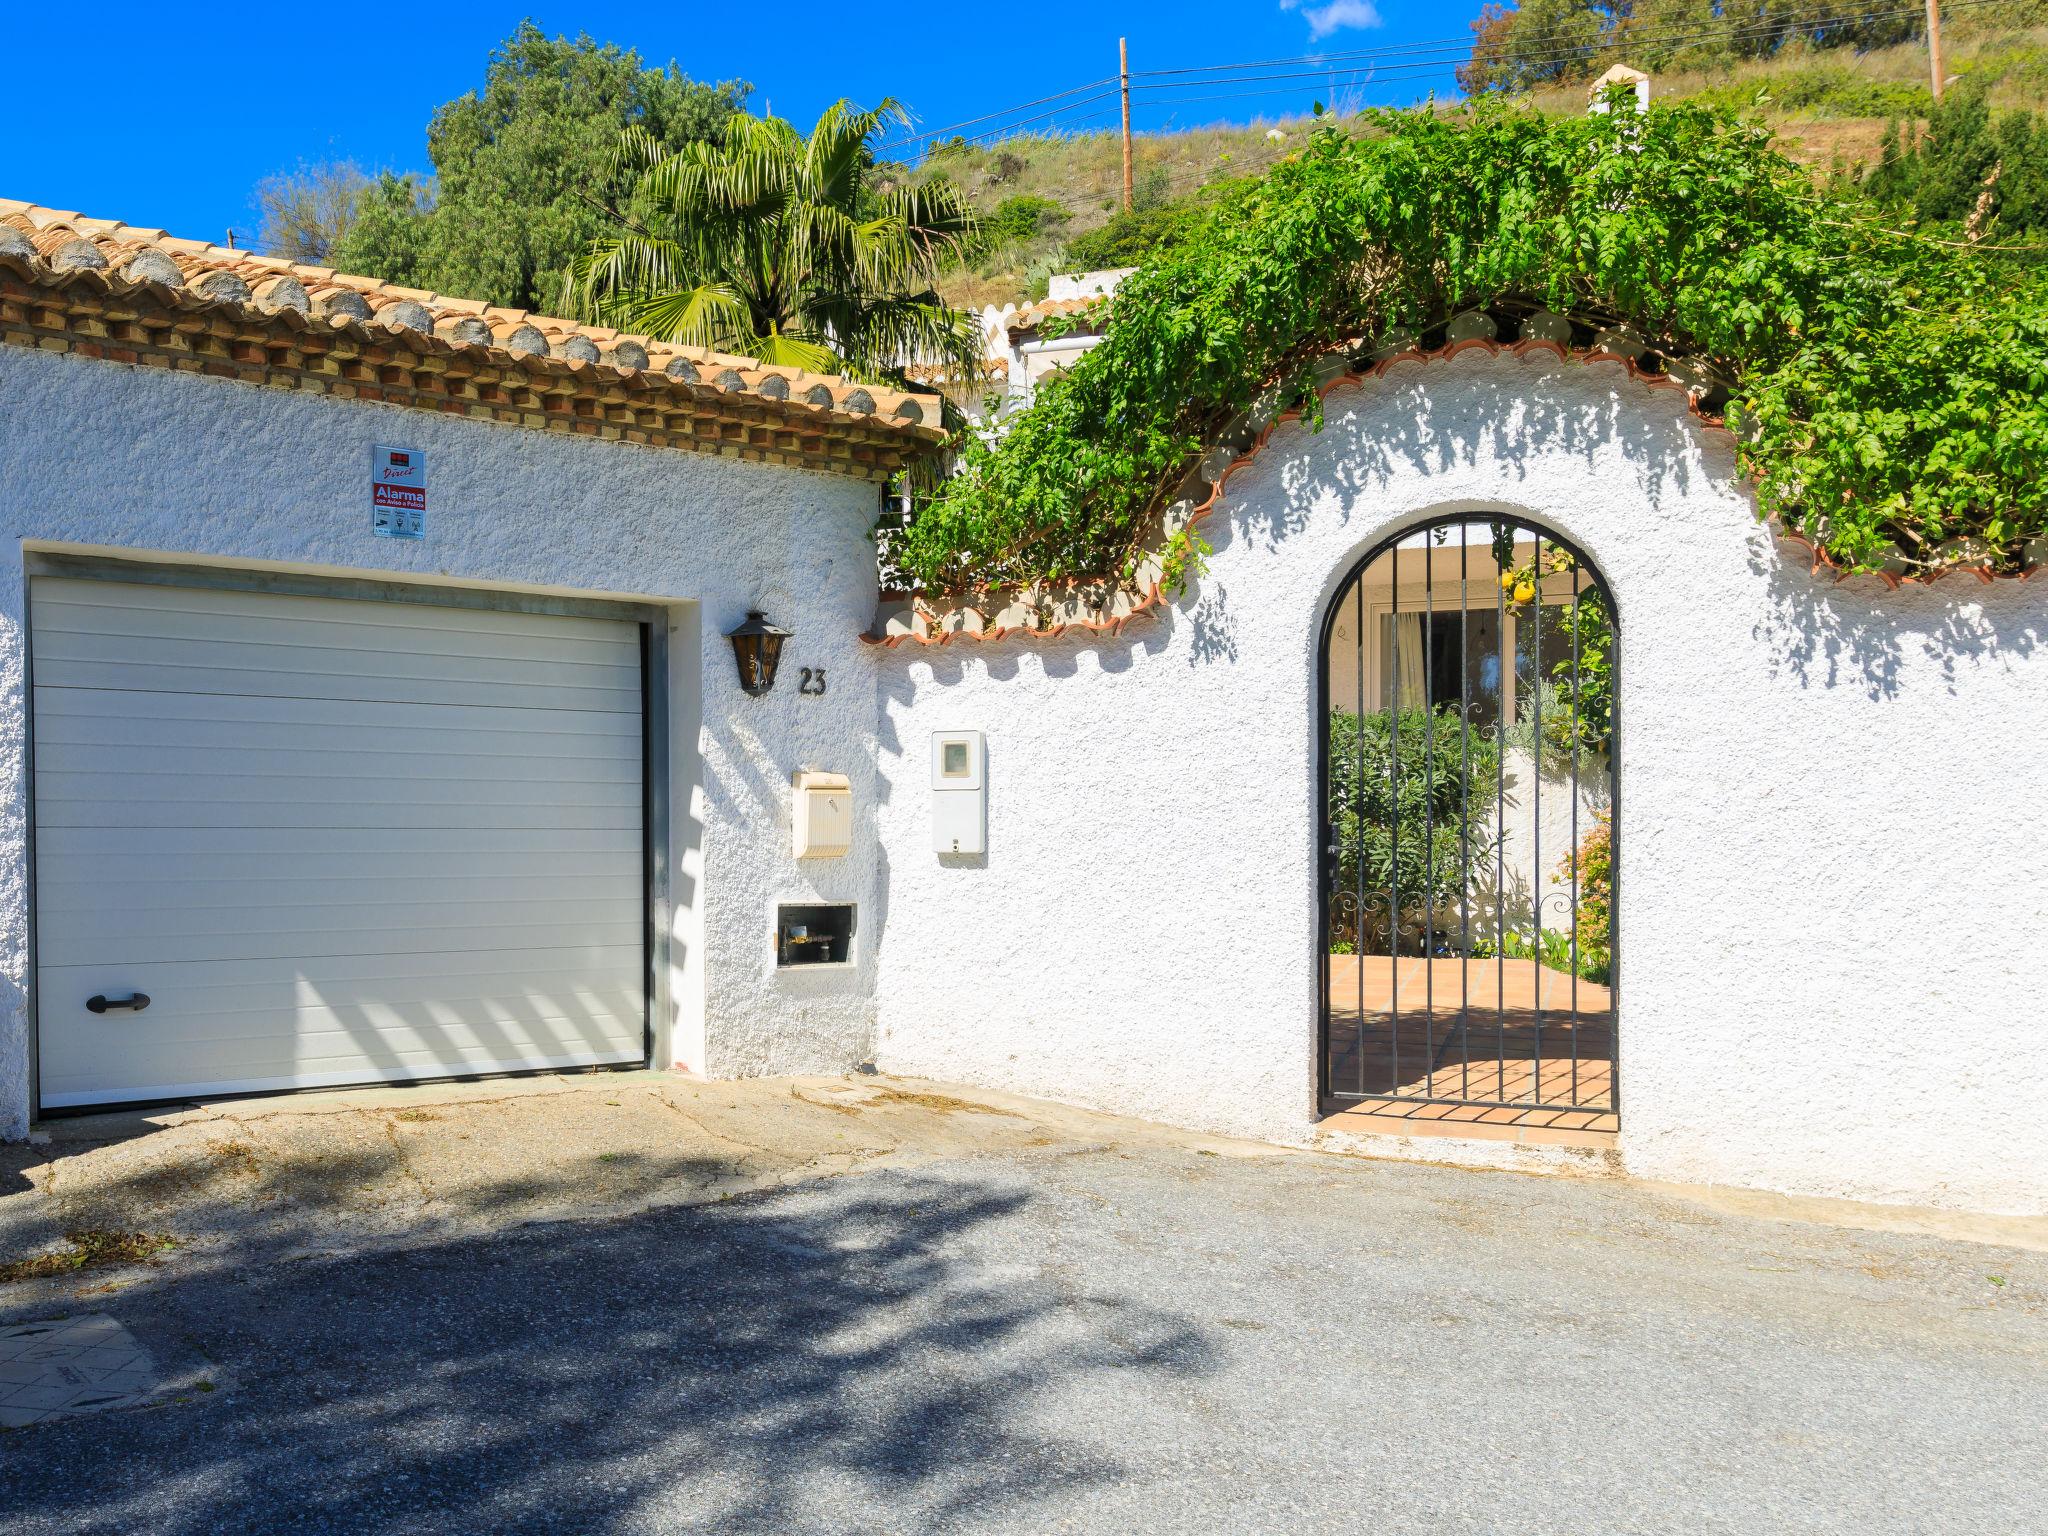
x,y
1471,1030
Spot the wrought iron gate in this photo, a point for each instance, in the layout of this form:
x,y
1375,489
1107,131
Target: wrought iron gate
x,y
1468,853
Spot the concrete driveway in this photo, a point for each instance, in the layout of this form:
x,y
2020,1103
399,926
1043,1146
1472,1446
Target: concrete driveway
x,y
638,1303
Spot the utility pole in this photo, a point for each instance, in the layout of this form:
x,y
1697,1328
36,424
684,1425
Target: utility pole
x,y
1934,45
1123,65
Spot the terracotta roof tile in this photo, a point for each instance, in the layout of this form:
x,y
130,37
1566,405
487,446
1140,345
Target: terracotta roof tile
x,y
1103,605
102,264
1028,318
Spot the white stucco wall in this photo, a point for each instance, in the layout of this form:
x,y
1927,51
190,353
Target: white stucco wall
x,y
1832,897
1832,885
144,463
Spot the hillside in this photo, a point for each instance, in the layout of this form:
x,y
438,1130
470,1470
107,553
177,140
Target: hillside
x,y
1051,201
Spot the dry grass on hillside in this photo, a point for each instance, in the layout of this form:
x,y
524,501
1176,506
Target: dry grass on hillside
x,y
1083,173
2015,61
1830,108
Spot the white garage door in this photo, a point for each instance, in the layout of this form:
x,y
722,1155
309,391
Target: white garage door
x,y
331,840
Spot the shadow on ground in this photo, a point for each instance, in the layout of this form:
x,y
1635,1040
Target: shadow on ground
x,y
268,1178
776,1354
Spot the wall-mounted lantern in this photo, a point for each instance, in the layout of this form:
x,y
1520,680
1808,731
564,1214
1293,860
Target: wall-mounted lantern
x,y
758,646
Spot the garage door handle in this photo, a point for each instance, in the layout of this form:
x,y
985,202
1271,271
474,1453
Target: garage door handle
x,y
105,1004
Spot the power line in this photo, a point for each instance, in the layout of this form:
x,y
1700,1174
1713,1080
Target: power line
x,y
1231,95
1577,50
991,117
1390,51
1007,111
1820,18
1405,59
1010,130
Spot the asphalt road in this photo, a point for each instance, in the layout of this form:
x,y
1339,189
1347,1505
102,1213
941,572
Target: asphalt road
x,y
1073,1332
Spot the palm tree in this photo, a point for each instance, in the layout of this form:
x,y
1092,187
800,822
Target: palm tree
x,y
781,247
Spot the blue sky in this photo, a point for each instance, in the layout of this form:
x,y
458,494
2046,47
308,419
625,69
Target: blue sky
x,y
172,125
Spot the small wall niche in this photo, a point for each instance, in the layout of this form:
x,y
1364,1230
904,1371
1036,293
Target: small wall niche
x,y
814,934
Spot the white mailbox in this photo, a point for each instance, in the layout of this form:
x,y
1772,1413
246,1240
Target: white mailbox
x,y
821,826
959,792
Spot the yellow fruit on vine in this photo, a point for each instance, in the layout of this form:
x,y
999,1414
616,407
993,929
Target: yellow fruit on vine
x,y
1507,581
1524,592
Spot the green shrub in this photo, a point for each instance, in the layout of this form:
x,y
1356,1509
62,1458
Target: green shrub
x,y
1131,238
1405,839
1890,392
1018,219
1592,864
1825,92
1977,175
1591,940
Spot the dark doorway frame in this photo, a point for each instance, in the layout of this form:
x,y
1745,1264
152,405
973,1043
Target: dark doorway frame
x,y
1324,854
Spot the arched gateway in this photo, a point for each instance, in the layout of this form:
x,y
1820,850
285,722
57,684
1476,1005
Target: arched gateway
x,y
1157,928
1467,837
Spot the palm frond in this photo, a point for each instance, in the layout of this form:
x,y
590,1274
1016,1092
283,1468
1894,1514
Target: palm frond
x,y
603,281
754,166
637,152
779,246
706,315
836,155
782,350
913,329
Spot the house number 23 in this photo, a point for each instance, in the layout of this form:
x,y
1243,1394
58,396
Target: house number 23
x,y
810,680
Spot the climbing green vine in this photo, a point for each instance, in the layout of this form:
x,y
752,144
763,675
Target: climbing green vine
x,y
1890,393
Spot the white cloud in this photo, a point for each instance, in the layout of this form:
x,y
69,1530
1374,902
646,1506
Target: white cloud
x,y
1335,16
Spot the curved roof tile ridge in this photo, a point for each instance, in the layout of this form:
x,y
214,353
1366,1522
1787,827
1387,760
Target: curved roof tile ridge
x,y
1102,605
58,246
1033,314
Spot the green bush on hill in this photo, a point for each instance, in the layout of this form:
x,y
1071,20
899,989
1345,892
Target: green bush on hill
x,y
1146,232
1018,219
1979,175
1545,42
1129,238
1827,91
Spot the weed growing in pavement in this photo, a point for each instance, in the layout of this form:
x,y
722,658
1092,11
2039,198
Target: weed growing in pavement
x,y
90,1248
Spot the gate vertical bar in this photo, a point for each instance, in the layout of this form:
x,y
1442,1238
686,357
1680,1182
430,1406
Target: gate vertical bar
x,y
1358,826
1464,811
1611,730
1428,816
1578,615
1394,823
1536,821
1500,813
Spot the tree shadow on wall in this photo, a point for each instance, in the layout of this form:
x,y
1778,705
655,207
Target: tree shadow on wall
x,y
1859,634
1007,659
1471,428
1477,428
1474,425
831,1357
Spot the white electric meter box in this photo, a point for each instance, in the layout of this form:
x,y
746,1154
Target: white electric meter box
x,y
959,792
821,822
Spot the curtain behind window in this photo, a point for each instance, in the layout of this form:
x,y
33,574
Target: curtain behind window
x,y
1407,673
